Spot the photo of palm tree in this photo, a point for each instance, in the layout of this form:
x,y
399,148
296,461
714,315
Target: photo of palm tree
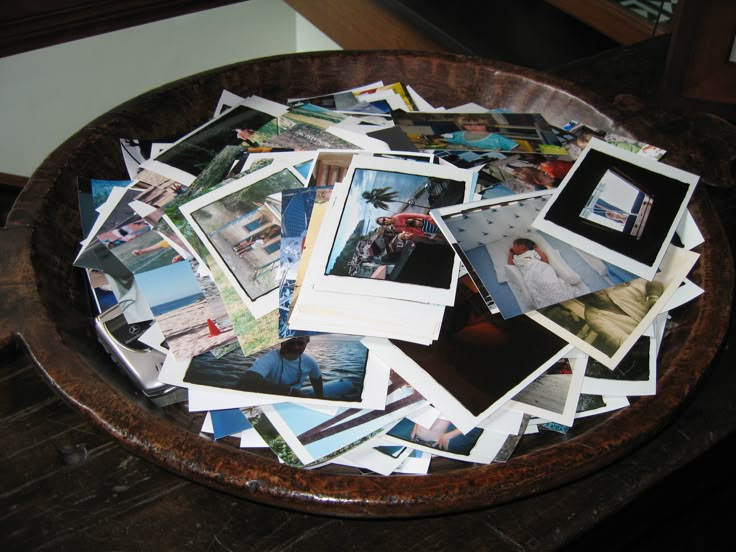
x,y
386,232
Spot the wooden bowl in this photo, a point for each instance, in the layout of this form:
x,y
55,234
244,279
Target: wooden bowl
x,y
47,305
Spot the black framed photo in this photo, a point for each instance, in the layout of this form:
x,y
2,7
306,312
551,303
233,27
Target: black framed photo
x,y
619,206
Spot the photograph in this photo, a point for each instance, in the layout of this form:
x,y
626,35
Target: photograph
x,y
160,191
296,212
331,166
292,454
302,128
182,311
579,136
372,99
313,310
124,233
635,375
315,435
491,131
592,405
554,395
240,226
384,242
607,323
268,433
348,102
102,289
139,247
479,361
377,455
464,159
485,443
621,207
520,268
114,212
100,189
619,204
216,382
521,173
441,435
329,366
190,155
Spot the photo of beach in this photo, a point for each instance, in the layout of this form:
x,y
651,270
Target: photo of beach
x,y
182,312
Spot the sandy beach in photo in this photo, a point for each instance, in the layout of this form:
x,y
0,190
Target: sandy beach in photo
x,y
188,333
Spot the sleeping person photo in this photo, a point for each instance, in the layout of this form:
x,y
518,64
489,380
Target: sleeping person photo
x,y
544,285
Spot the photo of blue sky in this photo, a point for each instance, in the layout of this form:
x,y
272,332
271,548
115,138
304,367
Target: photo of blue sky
x,y
168,283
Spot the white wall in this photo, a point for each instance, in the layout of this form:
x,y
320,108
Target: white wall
x,y
48,94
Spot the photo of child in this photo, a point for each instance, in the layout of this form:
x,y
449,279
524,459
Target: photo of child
x,y
478,133
521,268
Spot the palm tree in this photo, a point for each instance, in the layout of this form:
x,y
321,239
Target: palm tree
x,y
381,197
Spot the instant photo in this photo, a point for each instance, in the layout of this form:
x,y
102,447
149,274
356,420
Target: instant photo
x,y
479,361
240,225
442,438
578,136
327,311
384,242
620,206
554,395
522,173
182,311
315,435
520,268
342,361
190,156
607,323
635,375
528,132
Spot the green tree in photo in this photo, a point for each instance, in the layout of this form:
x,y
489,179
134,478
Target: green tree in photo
x,y
379,197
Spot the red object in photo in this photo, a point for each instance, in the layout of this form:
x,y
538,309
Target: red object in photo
x,y
214,330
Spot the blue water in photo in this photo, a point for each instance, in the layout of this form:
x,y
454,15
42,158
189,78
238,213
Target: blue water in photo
x,y
163,308
339,357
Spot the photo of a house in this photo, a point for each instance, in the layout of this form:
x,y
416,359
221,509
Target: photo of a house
x,y
242,226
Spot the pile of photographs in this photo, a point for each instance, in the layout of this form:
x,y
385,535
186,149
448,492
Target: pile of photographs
x,y
362,279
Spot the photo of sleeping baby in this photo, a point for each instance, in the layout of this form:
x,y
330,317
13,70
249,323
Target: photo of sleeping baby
x,y
521,268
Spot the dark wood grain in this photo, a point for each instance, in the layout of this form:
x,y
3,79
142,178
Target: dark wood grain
x,y
49,312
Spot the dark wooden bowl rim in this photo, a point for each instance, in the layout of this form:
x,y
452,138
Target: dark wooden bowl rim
x,y
32,316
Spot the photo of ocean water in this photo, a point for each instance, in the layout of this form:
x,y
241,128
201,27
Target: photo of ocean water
x,y
163,308
339,357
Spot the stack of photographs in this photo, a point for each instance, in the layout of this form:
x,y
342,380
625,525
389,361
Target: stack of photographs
x,y
357,278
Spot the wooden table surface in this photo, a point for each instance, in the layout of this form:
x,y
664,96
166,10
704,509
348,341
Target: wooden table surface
x,y
68,486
